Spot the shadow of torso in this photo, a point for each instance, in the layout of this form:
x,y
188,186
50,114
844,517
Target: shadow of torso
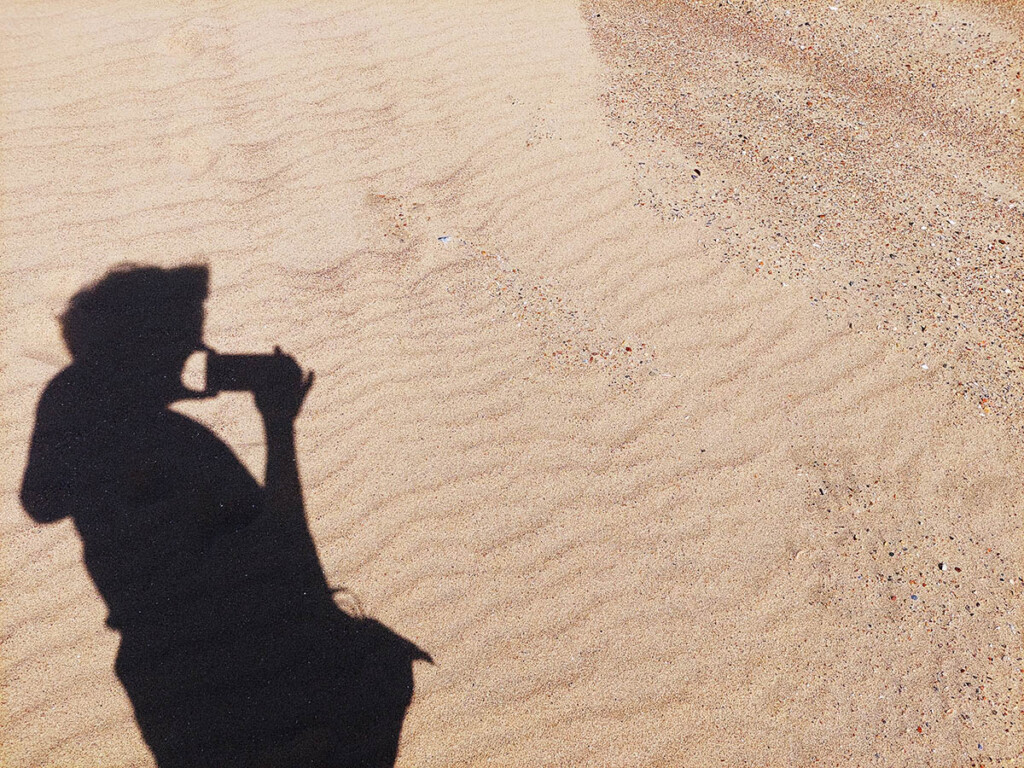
x,y
232,650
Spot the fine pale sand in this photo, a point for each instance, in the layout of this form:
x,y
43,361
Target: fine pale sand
x,y
643,503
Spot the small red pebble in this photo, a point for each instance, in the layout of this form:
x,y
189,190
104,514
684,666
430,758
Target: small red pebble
x,y
919,729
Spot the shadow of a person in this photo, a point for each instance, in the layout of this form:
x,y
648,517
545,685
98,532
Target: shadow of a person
x,y
233,652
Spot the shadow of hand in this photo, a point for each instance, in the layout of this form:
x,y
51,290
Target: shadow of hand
x,y
279,399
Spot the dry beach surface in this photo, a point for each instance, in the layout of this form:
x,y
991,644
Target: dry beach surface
x,y
662,468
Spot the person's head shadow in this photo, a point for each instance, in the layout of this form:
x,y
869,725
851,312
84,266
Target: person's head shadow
x,y
232,650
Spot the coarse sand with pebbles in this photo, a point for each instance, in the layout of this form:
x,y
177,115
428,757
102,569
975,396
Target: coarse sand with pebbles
x,y
873,152
667,358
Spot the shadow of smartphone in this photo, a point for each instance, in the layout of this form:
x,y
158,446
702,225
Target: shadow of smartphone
x,y
237,373
207,373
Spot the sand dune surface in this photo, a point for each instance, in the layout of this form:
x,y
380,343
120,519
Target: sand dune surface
x,y
642,505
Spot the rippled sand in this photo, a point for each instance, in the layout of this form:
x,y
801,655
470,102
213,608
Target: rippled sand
x,y
872,151
642,505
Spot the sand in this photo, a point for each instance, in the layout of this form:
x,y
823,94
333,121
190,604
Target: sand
x,y
873,152
643,502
